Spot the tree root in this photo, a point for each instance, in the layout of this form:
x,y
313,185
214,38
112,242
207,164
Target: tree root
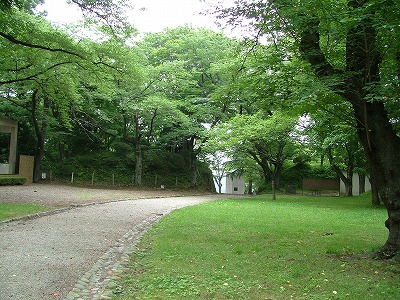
x,y
387,253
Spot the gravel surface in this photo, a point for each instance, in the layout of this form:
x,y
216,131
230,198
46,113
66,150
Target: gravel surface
x,y
73,254
55,195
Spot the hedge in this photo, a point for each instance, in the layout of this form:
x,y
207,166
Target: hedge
x,y
12,180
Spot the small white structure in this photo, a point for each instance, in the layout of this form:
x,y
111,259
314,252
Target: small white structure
x,y
356,185
232,184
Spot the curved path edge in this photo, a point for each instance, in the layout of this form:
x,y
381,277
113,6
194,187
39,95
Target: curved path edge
x,y
54,211
97,282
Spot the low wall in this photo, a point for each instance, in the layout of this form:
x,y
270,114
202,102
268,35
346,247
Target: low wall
x,y
26,167
319,184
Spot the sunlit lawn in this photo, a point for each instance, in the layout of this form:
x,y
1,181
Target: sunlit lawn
x,y
10,210
293,248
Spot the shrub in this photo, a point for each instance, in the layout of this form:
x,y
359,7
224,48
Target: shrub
x,y
12,180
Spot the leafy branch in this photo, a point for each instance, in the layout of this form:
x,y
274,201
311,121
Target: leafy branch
x,y
30,45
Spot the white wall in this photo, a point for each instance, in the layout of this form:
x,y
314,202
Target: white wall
x,y
4,169
355,185
233,185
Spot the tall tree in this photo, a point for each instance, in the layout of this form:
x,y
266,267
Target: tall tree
x,y
145,121
348,45
185,60
267,140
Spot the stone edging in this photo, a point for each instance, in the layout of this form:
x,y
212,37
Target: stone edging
x,y
96,283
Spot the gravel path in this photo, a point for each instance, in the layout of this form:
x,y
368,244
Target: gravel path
x,y
56,196
73,254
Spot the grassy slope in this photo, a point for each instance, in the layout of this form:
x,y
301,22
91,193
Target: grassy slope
x,y
293,248
8,211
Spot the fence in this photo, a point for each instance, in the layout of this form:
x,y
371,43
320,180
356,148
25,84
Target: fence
x,y
119,180
321,184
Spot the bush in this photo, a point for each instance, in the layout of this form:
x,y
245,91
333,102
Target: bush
x,y
12,180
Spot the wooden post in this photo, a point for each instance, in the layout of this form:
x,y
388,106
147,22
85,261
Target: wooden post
x,y
72,177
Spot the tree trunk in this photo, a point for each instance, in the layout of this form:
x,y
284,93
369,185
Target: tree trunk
x,y
138,165
349,183
348,179
276,177
268,174
138,152
273,185
218,180
40,131
250,190
361,183
376,201
193,161
378,138
382,145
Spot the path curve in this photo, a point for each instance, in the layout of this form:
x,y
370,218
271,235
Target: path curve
x,y
68,255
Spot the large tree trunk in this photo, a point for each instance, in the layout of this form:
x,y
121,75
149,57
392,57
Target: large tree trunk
x,y
377,136
376,133
382,146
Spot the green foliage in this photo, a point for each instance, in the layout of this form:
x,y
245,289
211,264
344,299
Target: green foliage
x,y
26,5
12,180
185,62
322,172
296,247
264,140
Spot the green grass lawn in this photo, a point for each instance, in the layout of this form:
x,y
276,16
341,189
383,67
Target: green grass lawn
x,y
9,210
293,248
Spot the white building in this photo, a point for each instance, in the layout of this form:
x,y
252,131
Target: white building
x,y
231,184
